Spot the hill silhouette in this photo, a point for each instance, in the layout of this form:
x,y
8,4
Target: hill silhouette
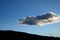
x,y
9,34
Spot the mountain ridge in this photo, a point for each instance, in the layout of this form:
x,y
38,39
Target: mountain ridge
x,y
9,34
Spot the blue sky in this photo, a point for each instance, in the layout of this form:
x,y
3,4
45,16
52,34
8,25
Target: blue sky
x,y
12,10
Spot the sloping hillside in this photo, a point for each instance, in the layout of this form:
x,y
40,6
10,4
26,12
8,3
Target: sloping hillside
x,y
23,36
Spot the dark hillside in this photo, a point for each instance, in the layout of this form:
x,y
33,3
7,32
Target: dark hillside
x,y
23,36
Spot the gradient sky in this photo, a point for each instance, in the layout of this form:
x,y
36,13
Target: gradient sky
x,y
12,10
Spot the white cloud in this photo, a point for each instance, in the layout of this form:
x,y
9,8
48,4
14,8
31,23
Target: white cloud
x,y
47,18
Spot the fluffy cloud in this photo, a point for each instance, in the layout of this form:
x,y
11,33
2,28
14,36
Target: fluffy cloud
x,y
45,19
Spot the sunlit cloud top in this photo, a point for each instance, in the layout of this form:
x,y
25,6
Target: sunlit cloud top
x,y
45,19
